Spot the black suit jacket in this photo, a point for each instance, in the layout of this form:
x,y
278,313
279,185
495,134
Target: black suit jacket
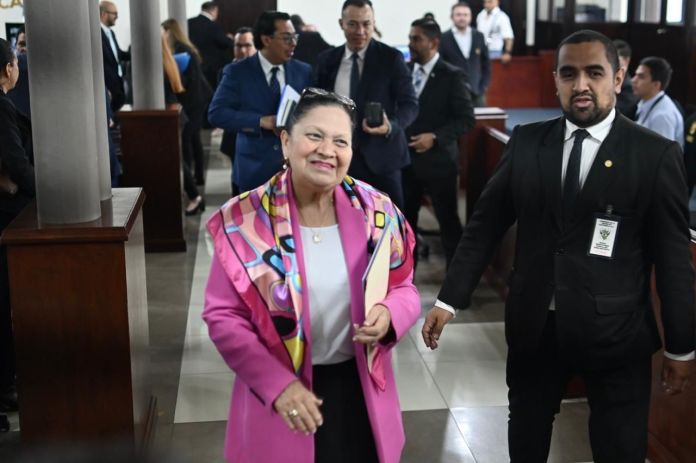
x,y
445,109
604,316
309,45
212,43
477,67
385,79
626,101
114,82
16,159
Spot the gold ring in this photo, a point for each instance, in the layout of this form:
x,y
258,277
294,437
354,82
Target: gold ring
x,y
293,413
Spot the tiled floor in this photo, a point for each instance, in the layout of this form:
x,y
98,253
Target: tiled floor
x,y
453,399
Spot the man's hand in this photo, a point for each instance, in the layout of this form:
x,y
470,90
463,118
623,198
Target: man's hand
x,y
299,408
422,142
375,326
383,129
676,374
268,122
505,57
435,321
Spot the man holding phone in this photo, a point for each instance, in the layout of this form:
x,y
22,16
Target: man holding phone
x,y
375,76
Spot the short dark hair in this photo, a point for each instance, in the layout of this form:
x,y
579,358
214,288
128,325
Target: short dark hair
x,y
623,48
429,27
6,53
265,25
660,70
207,6
587,35
297,22
316,97
244,30
459,4
357,4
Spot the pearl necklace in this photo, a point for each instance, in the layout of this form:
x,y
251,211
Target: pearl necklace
x,y
316,236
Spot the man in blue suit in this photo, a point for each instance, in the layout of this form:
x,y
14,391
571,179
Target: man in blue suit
x,y
371,72
246,100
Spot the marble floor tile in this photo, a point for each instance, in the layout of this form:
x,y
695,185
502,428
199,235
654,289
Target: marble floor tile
x,y
433,436
200,356
204,397
471,383
417,389
465,341
199,442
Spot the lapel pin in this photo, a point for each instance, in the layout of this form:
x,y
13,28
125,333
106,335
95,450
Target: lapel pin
x,y
608,163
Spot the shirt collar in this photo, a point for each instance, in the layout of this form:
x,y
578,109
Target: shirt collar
x,y
428,67
493,11
599,131
466,32
348,54
642,103
267,65
107,30
207,15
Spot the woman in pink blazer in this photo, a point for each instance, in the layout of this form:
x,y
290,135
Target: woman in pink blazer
x,y
285,303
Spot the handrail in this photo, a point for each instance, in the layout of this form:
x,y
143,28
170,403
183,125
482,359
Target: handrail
x,y
498,135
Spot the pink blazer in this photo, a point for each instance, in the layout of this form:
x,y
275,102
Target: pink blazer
x,y
255,432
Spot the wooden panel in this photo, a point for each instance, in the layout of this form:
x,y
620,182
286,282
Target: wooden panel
x,y
515,84
78,309
547,66
151,150
672,419
237,13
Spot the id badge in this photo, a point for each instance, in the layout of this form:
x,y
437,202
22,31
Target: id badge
x,y
606,227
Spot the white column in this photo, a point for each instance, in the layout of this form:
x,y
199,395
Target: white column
x,y
100,123
177,10
531,22
62,108
146,55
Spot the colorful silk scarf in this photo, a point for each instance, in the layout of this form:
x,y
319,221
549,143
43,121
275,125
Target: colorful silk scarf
x,y
258,228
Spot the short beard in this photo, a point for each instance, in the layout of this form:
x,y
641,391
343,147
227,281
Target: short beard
x,y
588,117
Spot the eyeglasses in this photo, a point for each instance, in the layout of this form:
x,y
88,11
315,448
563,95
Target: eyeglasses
x,y
288,38
313,92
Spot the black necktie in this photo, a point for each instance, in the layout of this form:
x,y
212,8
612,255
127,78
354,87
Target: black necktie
x,y
275,85
354,77
571,186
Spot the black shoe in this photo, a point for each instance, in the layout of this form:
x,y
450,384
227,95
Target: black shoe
x,y
4,424
198,208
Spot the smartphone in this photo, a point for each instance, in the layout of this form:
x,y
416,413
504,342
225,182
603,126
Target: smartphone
x,y
373,114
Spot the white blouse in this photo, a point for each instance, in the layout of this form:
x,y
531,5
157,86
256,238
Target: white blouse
x,y
329,295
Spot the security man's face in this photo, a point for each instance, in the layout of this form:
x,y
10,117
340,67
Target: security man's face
x,y
358,24
586,83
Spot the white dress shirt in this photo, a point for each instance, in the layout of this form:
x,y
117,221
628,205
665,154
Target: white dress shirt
x,y
590,147
495,27
267,66
425,69
463,39
114,48
329,295
342,85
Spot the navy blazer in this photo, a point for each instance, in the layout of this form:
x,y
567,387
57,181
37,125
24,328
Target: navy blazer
x,y
114,82
385,79
241,99
477,67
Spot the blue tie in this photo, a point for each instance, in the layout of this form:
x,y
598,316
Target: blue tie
x,y
571,186
354,77
275,85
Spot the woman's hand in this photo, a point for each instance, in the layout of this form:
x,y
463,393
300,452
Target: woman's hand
x,y
299,407
375,327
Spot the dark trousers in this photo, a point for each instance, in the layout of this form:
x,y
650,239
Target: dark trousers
x,y
192,147
442,190
619,401
389,183
7,355
346,435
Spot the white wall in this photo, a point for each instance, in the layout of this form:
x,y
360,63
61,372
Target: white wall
x,y
392,17
10,15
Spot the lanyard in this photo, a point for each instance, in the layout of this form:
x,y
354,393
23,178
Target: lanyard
x,y
644,117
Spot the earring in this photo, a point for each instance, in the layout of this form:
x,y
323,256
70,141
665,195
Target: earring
x,y
285,163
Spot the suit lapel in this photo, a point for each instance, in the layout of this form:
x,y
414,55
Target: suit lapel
x,y
334,64
258,78
369,67
455,45
432,82
550,158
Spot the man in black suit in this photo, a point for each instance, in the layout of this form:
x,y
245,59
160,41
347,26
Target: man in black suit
x,y
599,203
113,55
310,43
212,43
626,100
445,112
371,72
465,47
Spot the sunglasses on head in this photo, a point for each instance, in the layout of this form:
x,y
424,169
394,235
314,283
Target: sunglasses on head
x,y
312,92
